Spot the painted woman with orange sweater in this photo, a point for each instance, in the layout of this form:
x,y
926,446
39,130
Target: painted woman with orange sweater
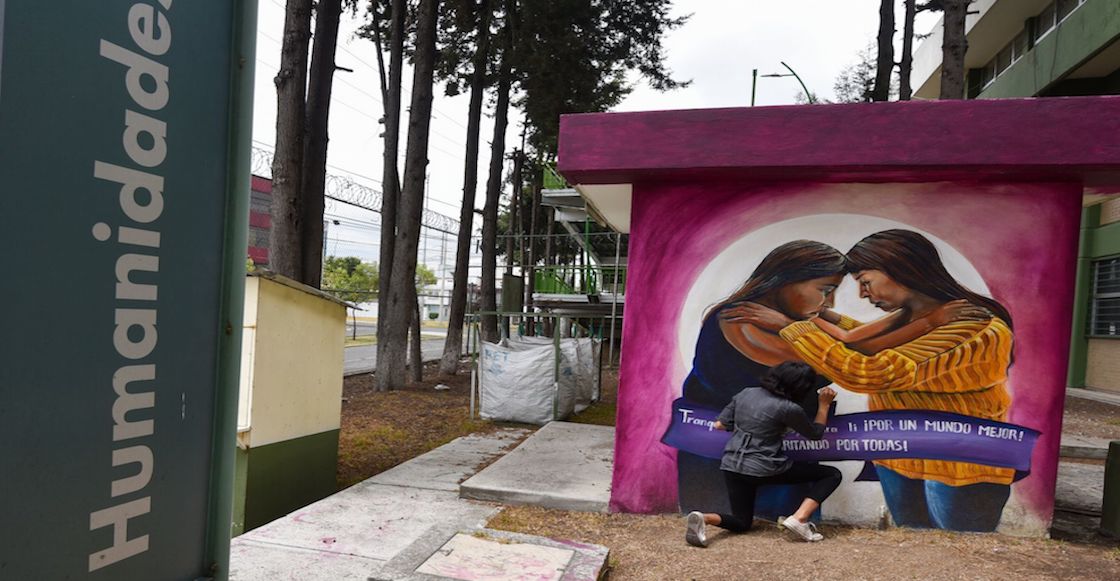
x,y
914,363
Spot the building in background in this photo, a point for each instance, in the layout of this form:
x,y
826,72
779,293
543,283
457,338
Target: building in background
x,y
1054,48
434,298
260,220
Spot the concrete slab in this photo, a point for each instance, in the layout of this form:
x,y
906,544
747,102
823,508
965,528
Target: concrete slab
x,y
471,557
1084,447
445,467
563,465
1080,488
354,532
498,556
371,521
1107,397
250,560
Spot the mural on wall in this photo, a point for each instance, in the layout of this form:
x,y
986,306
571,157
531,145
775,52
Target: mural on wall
x,y
935,328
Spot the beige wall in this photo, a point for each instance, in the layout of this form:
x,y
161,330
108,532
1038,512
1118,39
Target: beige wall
x,y
1110,211
292,357
1103,367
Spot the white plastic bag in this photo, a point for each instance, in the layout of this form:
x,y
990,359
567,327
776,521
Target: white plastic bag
x,y
517,384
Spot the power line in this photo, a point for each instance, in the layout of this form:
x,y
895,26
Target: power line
x,y
335,99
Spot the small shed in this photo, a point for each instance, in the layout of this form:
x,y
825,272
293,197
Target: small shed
x,y
290,405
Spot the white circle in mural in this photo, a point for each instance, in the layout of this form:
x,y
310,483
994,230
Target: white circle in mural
x,y
731,268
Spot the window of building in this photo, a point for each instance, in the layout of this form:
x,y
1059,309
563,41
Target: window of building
x,y
1003,59
1105,316
1019,46
988,74
1046,21
1065,7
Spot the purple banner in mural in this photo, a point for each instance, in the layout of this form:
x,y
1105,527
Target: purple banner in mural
x,y
883,435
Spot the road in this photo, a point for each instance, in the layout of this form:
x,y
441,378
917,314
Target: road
x,y
363,358
364,328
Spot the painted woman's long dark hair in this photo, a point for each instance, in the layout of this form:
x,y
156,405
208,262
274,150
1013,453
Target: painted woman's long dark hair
x,y
791,262
912,261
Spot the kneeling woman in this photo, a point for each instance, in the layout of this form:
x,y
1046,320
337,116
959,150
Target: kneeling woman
x,y
758,418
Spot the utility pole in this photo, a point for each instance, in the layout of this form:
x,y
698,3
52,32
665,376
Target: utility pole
x,y
754,84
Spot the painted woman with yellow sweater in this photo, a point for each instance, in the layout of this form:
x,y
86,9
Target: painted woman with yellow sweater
x,y
913,361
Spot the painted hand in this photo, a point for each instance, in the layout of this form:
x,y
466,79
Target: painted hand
x,y
958,310
757,315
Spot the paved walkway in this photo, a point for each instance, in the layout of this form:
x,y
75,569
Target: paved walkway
x,y
564,465
409,523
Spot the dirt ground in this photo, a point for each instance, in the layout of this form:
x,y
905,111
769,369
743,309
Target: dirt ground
x,y
1091,419
652,547
381,430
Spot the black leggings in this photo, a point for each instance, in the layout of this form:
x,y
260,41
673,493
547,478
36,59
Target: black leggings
x,y
741,489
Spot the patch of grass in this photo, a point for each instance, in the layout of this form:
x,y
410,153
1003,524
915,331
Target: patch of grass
x,y
361,340
1113,422
600,414
383,429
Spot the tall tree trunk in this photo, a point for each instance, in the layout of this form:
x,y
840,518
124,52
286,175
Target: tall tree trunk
x,y
453,345
531,282
398,307
415,356
953,49
514,213
390,181
285,247
907,62
315,147
493,193
884,63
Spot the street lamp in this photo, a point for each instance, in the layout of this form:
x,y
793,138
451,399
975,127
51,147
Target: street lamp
x,y
755,75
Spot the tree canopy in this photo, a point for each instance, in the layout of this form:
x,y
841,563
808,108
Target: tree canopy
x,y
575,56
350,279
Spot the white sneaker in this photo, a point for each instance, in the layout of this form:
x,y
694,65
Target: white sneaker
x,y
694,532
806,530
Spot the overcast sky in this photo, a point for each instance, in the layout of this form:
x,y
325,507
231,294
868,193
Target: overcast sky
x,y
716,49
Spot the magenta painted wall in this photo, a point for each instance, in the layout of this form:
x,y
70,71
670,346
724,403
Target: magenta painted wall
x,y
1021,238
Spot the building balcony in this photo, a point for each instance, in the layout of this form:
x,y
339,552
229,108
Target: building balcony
x,y
1079,56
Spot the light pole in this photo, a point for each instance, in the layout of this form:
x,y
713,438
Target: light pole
x,y
754,83
792,73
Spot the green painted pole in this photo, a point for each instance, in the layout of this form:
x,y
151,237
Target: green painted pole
x,y
1079,342
1110,508
235,241
808,95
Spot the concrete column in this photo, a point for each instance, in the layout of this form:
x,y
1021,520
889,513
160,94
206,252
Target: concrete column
x,y
1079,342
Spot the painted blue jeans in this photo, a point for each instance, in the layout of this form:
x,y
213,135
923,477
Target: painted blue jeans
x,y
930,504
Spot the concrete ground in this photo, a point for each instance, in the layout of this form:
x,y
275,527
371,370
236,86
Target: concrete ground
x,y
409,522
564,465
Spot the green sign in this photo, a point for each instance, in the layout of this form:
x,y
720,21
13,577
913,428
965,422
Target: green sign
x,y
121,186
